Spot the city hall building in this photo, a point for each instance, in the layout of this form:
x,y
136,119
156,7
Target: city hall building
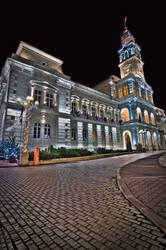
x,y
72,115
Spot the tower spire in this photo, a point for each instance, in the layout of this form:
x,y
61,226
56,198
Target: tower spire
x,y
125,26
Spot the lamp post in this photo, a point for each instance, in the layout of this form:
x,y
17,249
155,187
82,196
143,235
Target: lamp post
x,y
28,104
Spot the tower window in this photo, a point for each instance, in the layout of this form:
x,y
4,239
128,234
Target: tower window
x,y
120,93
125,90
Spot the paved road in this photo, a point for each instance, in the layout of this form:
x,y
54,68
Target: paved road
x,y
72,206
144,184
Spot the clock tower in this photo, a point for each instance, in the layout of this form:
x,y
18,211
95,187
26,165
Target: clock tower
x,y
130,55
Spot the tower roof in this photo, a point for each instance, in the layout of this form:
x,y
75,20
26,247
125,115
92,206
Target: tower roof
x,y
127,36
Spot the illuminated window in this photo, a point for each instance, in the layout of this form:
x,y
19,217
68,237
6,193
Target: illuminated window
x,y
125,115
155,139
127,70
152,119
139,114
120,93
143,94
37,95
36,130
114,93
125,90
146,116
149,98
149,138
49,100
47,131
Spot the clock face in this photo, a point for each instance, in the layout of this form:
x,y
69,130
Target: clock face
x,y
127,70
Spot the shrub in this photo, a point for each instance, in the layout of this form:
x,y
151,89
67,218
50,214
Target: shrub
x,y
9,150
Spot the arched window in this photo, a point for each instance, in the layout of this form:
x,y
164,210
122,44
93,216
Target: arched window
x,y
36,130
155,140
152,119
149,139
139,114
126,54
47,131
146,116
125,115
129,51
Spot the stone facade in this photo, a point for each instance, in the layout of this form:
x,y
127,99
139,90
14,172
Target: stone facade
x,y
69,114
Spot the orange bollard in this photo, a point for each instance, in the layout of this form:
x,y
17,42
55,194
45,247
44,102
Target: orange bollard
x,y
36,156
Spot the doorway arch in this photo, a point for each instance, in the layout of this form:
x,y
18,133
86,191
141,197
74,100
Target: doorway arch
x,y
127,139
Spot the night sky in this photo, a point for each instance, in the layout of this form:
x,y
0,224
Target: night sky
x,y
87,36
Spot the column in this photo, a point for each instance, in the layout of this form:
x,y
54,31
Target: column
x,y
54,99
80,134
107,138
90,133
32,90
114,139
99,136
44,97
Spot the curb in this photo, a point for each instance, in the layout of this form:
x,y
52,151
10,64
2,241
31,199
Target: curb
x,y
148,212
68,160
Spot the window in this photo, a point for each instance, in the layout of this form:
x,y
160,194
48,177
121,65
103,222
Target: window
x,y
101,114
37,95
149,98
139,114
36,131
125,90
73,107
73,134
94,136
12,117
49,100
93,112
84,109
120,93
146,116
103,138
152,119
85,135
125,115
143,94
47,131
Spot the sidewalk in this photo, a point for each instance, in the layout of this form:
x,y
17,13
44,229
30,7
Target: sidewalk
x,y
143,183
5,163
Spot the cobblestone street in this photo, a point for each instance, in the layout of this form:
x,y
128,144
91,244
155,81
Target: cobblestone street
x,y
72,206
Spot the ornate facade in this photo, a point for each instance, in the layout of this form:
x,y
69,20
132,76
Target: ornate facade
x,y
72,115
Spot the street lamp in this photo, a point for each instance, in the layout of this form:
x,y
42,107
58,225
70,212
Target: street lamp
x,y
28,104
